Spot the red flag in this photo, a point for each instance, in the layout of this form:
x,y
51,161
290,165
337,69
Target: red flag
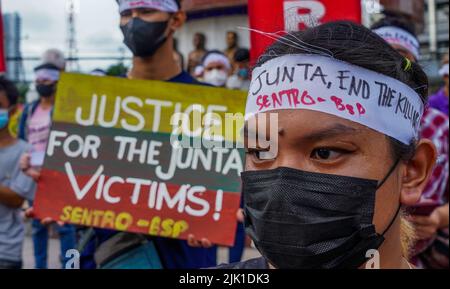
x,y
290,15
2,45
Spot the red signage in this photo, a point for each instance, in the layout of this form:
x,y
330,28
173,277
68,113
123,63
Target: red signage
x,y
279,16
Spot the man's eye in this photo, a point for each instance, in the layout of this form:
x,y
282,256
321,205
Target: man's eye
x,y
327,154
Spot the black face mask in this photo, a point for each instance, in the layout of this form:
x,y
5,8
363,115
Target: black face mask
x,y
144,38
46,90
304,220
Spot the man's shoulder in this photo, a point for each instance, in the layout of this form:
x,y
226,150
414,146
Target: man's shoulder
x,y
256,263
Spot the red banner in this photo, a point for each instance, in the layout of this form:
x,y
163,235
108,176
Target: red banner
x,y
290,15
2,45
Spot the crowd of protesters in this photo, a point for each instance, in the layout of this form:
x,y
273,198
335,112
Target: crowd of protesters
x,y
408,178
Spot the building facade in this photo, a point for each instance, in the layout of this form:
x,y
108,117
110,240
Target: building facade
x,y
12,39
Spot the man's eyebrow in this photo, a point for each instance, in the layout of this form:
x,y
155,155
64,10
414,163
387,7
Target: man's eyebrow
x,y
329,132
245,130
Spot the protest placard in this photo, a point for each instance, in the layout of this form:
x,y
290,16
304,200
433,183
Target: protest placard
x,y
144,156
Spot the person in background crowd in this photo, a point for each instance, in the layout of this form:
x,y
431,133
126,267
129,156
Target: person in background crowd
x,y
335,186
15,186
34,128
15,119
198,73
241,67
439,100
148,28
232,40
430,251
177,55
216,68
195,57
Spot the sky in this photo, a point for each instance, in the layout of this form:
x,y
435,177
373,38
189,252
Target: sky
x,y
44,25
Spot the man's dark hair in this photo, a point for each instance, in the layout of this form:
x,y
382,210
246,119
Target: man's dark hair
x,y
241,55
357,45
234,33
10,90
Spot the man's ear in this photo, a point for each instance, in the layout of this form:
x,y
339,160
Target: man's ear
x,y
417,172
177,21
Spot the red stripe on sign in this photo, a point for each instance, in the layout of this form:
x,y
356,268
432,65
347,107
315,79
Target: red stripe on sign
x,y
140,206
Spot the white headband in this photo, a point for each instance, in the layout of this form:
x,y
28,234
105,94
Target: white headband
x,y
335,87
47,74
395,35
444,70
217,57
170,6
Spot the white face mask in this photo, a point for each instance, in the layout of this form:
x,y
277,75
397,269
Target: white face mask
x,y
216,77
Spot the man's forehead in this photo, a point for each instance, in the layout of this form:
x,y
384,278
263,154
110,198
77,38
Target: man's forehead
x,y
302,122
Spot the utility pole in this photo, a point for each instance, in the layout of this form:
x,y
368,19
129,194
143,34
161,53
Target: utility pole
x,y
432,26
72,61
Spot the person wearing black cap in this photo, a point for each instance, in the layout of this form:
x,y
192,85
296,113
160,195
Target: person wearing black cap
x,y
241,76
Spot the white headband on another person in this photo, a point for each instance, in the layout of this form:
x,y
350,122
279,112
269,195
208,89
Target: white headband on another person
x,y
216,57
331,86
169,6
47,74
395,35
444,70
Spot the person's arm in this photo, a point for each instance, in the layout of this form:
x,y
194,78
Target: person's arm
x,y
10,198
426,227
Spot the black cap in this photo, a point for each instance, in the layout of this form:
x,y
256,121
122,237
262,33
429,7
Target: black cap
x,y
242,55
47,66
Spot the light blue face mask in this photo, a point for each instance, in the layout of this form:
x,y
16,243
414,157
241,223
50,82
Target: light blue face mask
x,y
4,118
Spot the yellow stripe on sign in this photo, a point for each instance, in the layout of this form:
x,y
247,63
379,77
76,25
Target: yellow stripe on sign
x,y
144,105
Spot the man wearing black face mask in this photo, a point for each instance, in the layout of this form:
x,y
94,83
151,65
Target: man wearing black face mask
x,y
148,27
35,129
331,194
